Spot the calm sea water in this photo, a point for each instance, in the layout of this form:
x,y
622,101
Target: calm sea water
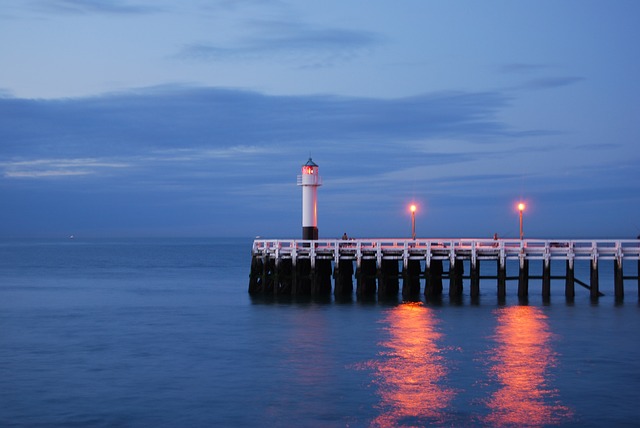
x,y
163,333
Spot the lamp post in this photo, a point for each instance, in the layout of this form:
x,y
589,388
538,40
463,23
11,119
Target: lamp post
x,y
413,221
521,208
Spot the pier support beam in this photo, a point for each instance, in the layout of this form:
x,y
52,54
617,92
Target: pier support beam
x,y
388,281
595,291
523,278
366,278
618,279
343,278
321,278
569,286
502,279
433,279
411,279
302,284
456,271
475,278
294,275
268,275
546,279
283,277
255,275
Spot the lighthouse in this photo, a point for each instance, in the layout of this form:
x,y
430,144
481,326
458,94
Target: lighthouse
x,y
309,180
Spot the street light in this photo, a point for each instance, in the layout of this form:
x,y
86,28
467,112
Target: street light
x,y
413,221
521,208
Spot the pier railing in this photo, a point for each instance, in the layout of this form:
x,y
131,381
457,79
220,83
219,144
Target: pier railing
x,y
443,249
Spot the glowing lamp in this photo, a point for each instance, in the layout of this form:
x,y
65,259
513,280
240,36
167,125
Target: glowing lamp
x,y
413,209
521,208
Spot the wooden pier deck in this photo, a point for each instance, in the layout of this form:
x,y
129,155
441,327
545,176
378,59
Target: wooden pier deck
x,y
299,267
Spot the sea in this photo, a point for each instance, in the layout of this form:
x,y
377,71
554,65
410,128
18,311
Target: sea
x,y
163,333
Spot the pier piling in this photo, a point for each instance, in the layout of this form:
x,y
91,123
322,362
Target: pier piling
x,y
343,276
366,278
546,279
411,279
618,279
283,277
456,271
321,278
523,278
474,268
594,283
433,281
502,279
388,281
570,287
302,285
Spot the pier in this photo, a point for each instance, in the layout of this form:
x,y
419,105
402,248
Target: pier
x,y
390,267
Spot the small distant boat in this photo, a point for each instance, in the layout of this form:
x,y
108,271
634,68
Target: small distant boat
x,y
72,237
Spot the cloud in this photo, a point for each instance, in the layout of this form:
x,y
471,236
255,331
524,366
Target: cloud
x,y
95,7
220,143
44,174
190,155
236,121
522,68
289,41
540,82
551,82
50,168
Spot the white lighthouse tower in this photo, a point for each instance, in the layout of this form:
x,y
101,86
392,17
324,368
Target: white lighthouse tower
x,y
309,180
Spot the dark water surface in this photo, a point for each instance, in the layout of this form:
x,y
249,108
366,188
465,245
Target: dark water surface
x,y
163,333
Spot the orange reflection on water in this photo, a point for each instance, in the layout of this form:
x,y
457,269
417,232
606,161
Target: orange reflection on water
x,y
521,363
409,379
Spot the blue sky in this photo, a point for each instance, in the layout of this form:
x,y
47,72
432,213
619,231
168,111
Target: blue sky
x,y
192,118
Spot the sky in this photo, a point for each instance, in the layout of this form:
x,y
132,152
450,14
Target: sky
x,y
140,118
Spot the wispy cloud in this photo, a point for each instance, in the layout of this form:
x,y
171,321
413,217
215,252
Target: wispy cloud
x,y
294,42
522,68
196,154
45,173
51,168
95,7
551,82
536,83
232,5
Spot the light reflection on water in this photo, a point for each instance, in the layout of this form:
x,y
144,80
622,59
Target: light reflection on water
x,y
413,380
411,375
521,361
